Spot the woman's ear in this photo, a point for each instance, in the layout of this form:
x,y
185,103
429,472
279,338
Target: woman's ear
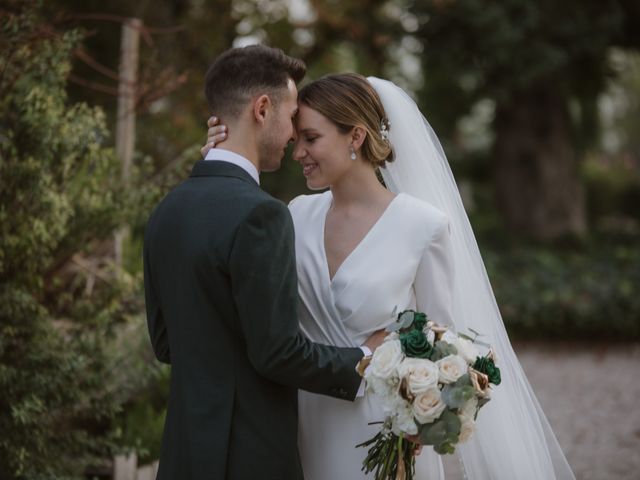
x,y
358,134
261,106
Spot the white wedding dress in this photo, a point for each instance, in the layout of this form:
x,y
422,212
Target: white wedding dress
x,y
408,250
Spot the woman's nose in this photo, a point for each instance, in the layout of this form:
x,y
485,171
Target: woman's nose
x,y
298,152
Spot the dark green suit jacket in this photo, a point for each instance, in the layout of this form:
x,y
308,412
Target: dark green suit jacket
x,y
221,298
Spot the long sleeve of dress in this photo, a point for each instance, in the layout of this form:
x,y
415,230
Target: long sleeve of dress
x,y
434,280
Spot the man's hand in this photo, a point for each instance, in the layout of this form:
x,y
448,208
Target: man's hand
x,y
215,134
375,340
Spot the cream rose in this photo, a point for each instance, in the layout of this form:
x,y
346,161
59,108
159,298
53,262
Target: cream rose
x,y
451,367
428,406
420,374
386,359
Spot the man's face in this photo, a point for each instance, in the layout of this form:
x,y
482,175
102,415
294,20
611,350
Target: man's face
x,y
280,130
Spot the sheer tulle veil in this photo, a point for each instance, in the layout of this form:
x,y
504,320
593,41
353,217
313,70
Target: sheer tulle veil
x,y
513,439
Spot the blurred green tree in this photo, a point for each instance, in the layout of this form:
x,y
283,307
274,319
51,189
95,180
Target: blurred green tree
x,y
68,358
543,64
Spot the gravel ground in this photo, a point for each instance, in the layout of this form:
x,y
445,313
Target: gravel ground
x,y
591,396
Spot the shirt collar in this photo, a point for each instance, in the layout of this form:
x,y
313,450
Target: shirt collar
x,y
222,155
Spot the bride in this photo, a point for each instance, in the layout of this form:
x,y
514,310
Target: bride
x,y
364,249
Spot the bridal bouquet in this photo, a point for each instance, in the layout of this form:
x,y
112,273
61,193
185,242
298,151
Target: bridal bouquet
x,y
431,382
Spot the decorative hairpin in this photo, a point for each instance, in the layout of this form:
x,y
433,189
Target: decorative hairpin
x,y
384,129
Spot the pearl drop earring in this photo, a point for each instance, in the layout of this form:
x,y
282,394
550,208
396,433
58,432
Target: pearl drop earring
x,y
353,153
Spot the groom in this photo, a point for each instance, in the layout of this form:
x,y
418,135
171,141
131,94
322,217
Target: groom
x,y
221,291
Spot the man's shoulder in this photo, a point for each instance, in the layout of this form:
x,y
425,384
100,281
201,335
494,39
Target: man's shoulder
x,y
267,209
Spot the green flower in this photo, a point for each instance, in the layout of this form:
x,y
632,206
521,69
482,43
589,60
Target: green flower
x,y
415,344
419,320
485,365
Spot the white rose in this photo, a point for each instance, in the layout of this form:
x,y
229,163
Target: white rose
x,y
428,406
421,374
386,359
467,350
403,420
382,387
467,423
449,337
451,367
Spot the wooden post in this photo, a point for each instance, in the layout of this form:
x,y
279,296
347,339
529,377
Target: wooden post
x,y
125,467
148,472
126,123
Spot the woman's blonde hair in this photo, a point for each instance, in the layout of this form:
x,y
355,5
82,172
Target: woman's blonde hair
x,y
349,100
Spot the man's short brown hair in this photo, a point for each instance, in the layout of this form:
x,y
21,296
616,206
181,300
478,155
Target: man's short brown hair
x,y
240,73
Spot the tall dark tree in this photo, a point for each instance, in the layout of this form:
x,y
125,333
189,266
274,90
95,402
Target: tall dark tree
x,y
543,64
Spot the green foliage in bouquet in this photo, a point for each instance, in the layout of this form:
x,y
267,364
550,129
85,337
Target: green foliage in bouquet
x,y
443,433
70,323
442,349
457,394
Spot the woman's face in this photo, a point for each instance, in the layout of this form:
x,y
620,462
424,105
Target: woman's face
x,y
321,149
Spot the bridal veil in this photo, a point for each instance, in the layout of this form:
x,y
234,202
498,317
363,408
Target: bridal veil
x,y
513,439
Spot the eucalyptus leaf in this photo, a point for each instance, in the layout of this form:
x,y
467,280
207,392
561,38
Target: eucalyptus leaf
x,y
477,333
463,381
394,327
442,349
456,397
445,429
444,449
406,319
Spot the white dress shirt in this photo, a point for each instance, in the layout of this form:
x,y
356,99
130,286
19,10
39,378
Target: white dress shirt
x,y
222,155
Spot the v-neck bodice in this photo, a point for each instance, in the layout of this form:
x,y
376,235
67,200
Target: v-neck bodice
x,y
376,277
366,238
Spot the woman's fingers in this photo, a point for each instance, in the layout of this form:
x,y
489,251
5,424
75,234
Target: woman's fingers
x,y
215,135
217,130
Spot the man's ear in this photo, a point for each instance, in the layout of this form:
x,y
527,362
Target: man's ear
x,y
261,107
358,134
